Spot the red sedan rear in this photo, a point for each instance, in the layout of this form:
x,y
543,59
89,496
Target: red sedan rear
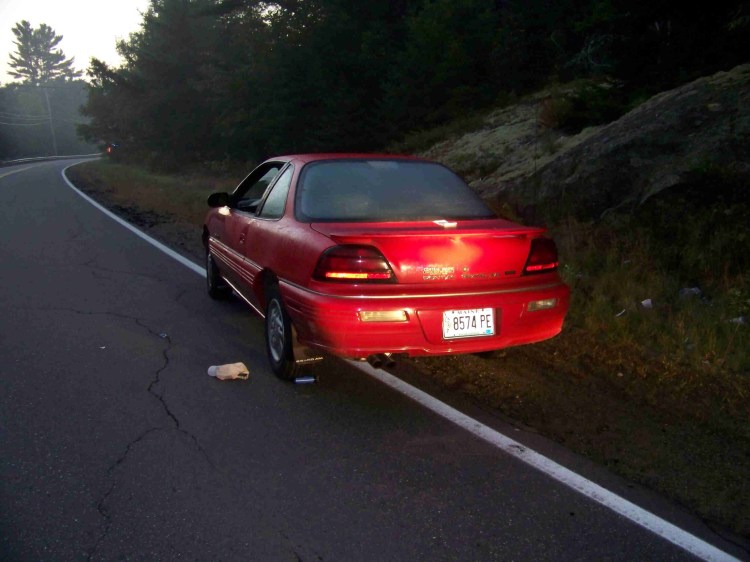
x,y
369,256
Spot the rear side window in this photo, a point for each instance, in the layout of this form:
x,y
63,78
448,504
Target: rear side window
x,y
273,207
383,191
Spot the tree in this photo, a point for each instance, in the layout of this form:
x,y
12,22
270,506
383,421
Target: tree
x,y
444,66
161,105
240,80
37,59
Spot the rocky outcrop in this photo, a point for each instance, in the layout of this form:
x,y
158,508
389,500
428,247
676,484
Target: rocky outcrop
x,y
662,143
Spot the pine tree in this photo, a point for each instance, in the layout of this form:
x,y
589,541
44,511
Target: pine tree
x,y
37,59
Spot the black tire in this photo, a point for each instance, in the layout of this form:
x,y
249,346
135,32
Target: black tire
x,y
215,285
279,338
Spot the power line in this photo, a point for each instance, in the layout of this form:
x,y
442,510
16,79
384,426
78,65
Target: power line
x,y
9,115
25,121
34,120
23,124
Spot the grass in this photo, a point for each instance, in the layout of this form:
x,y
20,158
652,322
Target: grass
x,y
686,253
179,197
660,316
658,394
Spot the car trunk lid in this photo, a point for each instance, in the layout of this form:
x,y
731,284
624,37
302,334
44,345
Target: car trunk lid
x,y
448,252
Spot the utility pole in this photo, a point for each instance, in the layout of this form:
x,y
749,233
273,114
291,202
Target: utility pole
x,y
51,127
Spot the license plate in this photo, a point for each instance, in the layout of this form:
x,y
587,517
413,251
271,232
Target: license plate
x,y
468,323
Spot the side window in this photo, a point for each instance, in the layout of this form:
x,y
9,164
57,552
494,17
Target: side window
x,y
248,194
273,207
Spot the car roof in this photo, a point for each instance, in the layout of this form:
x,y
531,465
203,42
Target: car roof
x,y
313,157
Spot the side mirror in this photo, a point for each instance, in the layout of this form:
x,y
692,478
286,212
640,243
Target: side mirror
x,y
218,199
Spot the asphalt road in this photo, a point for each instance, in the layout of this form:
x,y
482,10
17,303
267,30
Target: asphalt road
x,y
116,445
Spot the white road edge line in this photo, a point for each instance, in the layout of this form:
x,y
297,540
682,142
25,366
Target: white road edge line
x,y
627,509
679,537
169,251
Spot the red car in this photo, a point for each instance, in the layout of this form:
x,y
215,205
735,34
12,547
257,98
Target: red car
x,y
370,256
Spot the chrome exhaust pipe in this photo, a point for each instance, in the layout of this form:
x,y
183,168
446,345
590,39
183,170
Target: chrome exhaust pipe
x,y
389,361
375,361
381,360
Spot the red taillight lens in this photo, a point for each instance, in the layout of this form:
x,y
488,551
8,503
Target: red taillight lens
x,y
542,256
353,264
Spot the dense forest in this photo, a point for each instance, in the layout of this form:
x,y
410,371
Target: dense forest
x,y
214,80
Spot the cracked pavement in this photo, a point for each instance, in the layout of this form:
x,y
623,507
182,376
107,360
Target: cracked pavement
x,y
93,354
115,444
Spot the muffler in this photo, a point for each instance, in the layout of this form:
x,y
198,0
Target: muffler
x,y
381,361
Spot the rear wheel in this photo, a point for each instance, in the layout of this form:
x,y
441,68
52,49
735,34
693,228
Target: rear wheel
x,y
279,338
215,285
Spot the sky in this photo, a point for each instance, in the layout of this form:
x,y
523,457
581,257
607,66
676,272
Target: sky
x,y
90,28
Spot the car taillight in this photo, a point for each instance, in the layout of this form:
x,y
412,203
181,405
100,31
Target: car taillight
x,y
353,264
542,256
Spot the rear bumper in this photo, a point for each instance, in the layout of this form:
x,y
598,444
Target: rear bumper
x,y
333,324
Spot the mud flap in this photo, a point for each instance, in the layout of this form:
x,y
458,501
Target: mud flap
x,y
304,355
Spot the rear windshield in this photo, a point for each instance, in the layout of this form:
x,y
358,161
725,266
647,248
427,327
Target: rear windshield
x,y
382,191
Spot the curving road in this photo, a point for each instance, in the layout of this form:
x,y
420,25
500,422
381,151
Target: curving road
x,y
115,444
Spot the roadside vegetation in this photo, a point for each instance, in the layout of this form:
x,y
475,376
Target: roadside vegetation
x,y
133,190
